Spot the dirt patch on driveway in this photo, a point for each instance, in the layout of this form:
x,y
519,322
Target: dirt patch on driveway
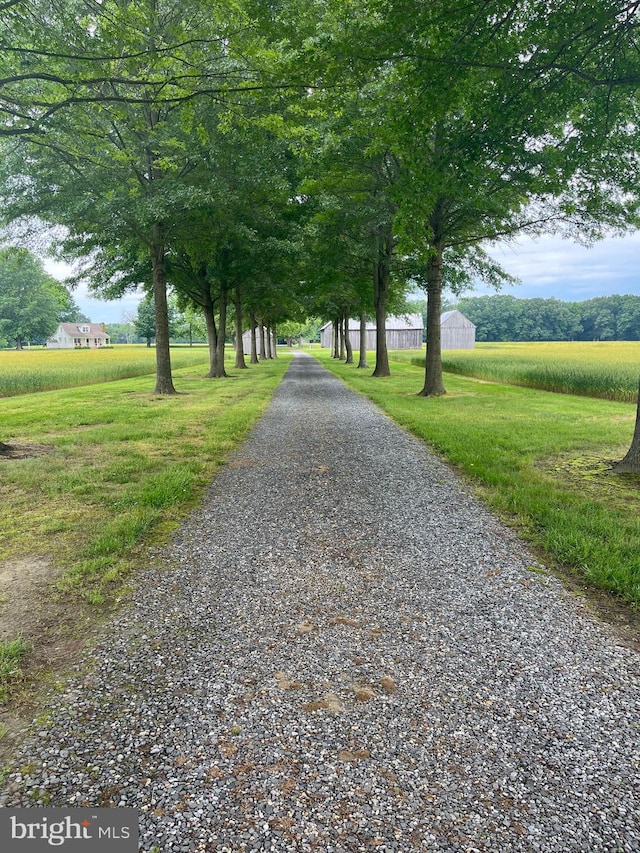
x,y
26,591
54,626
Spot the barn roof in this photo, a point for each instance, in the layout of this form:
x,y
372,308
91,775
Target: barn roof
x,y
455,318
405,323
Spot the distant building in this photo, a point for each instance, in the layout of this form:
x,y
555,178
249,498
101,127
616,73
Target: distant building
x,y
457,331
246,341
401,333
79,335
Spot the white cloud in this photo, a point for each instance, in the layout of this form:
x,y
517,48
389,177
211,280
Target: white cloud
x,y
550,266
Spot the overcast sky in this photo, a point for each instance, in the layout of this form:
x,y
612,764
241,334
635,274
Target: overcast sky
x,y
551,267
547,267
97,310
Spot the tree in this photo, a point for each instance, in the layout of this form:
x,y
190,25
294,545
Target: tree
x,y
31,302
188,323
506,318
70,311
631,462
106,115
145,320
497,127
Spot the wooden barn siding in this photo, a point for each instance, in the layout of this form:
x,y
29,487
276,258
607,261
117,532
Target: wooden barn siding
x,y
404,338
246,340
396,339
354,337
458,338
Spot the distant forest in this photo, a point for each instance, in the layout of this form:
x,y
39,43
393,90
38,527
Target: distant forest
x,y
507,318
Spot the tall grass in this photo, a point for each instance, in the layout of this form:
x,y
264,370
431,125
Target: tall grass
x,y
608,370
40,369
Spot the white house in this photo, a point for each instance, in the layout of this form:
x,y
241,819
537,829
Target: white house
x,y
401,333
77,335
457,332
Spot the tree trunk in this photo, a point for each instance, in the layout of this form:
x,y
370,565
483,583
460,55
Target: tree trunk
x,y
274,339
19,343
381,276
362,363
212,338
343,350
336,339
267,336
347,340
220,372
254,344
631,462
208,311
240,362
433,385
164,379
263,348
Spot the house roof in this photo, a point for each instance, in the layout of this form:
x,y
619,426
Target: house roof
x,y
96,330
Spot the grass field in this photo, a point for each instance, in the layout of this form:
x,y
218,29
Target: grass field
x,y
542,460
608,369
120,466
45,370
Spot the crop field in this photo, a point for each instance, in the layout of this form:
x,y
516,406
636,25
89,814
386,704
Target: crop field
x,y
41,369
608,369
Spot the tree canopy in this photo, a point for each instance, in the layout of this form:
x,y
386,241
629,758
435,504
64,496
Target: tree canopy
x,y
310,158
506,318
32,303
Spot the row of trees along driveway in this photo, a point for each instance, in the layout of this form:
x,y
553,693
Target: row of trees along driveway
x,y
312,157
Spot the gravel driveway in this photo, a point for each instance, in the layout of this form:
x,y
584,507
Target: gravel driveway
x,y
348,653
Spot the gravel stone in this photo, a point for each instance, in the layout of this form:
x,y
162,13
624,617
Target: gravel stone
x,y
346,652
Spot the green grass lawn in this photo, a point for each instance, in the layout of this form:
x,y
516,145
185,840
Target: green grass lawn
x,y
540,459
121,466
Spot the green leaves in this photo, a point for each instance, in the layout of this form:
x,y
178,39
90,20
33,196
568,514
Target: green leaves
x,y
30,303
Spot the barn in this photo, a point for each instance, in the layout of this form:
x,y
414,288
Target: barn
x,y
457,331
402,333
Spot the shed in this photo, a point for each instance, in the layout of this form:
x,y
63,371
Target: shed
x,y
457,331
401,333
246,341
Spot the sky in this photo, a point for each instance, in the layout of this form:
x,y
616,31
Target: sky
x,y
552,267
547,267
97,310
